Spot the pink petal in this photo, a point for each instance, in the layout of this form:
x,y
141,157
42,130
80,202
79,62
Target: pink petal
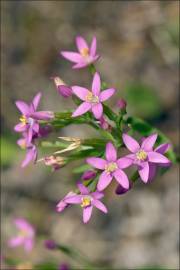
x,y
31,155
20,127
96,84
122,178
152,171
144,172
80,65
97,195
81,92
72,56
98,204
81,43
29,134
87,212
97,110
28,244
43,115
130,143
23,107
84,190
124,162
111,152
106,94
149,142
15,241
36,127
163,148
97,163
104,180
36,100
93,46
83,108
75,199
157,158
21,223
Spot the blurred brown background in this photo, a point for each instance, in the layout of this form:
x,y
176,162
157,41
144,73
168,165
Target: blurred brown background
x,y
138,43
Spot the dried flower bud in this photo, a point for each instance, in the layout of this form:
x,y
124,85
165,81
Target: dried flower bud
x,y
55,162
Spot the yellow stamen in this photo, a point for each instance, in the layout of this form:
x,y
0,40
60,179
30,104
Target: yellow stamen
x,y
91,98
85,52
23,119
141,155
86,201
111,167
23,233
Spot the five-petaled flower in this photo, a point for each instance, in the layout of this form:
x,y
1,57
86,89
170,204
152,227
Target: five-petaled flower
x,y
29,118
92,100
112,167
144,156
87,200
86,55
25,235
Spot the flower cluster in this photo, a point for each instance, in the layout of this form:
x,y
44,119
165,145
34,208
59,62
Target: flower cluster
x,y
107,156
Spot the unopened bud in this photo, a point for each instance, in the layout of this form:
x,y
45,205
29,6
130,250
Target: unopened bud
x,y
50,244
121,104
120,190
87,175
62,88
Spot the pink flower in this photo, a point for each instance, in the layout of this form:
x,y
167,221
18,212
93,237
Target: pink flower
x,y
143,156
63,204
85,56
29,118
92,100
87,201
112,168
25,236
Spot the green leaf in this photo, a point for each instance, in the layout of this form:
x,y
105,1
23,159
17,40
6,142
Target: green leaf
x,y
46,266
8,151
82,168
109,113
146,129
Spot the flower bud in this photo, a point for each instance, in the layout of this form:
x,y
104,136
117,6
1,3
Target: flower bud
x,y
121,104
120,190
87,175
62,88
63,266
50,244
103,123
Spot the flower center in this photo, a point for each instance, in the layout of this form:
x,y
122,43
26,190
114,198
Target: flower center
x,y
111,167
141,155
23,119
23,233
92,98
86,201
85,52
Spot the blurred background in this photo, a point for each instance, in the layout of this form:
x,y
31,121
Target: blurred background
x,y
138,44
